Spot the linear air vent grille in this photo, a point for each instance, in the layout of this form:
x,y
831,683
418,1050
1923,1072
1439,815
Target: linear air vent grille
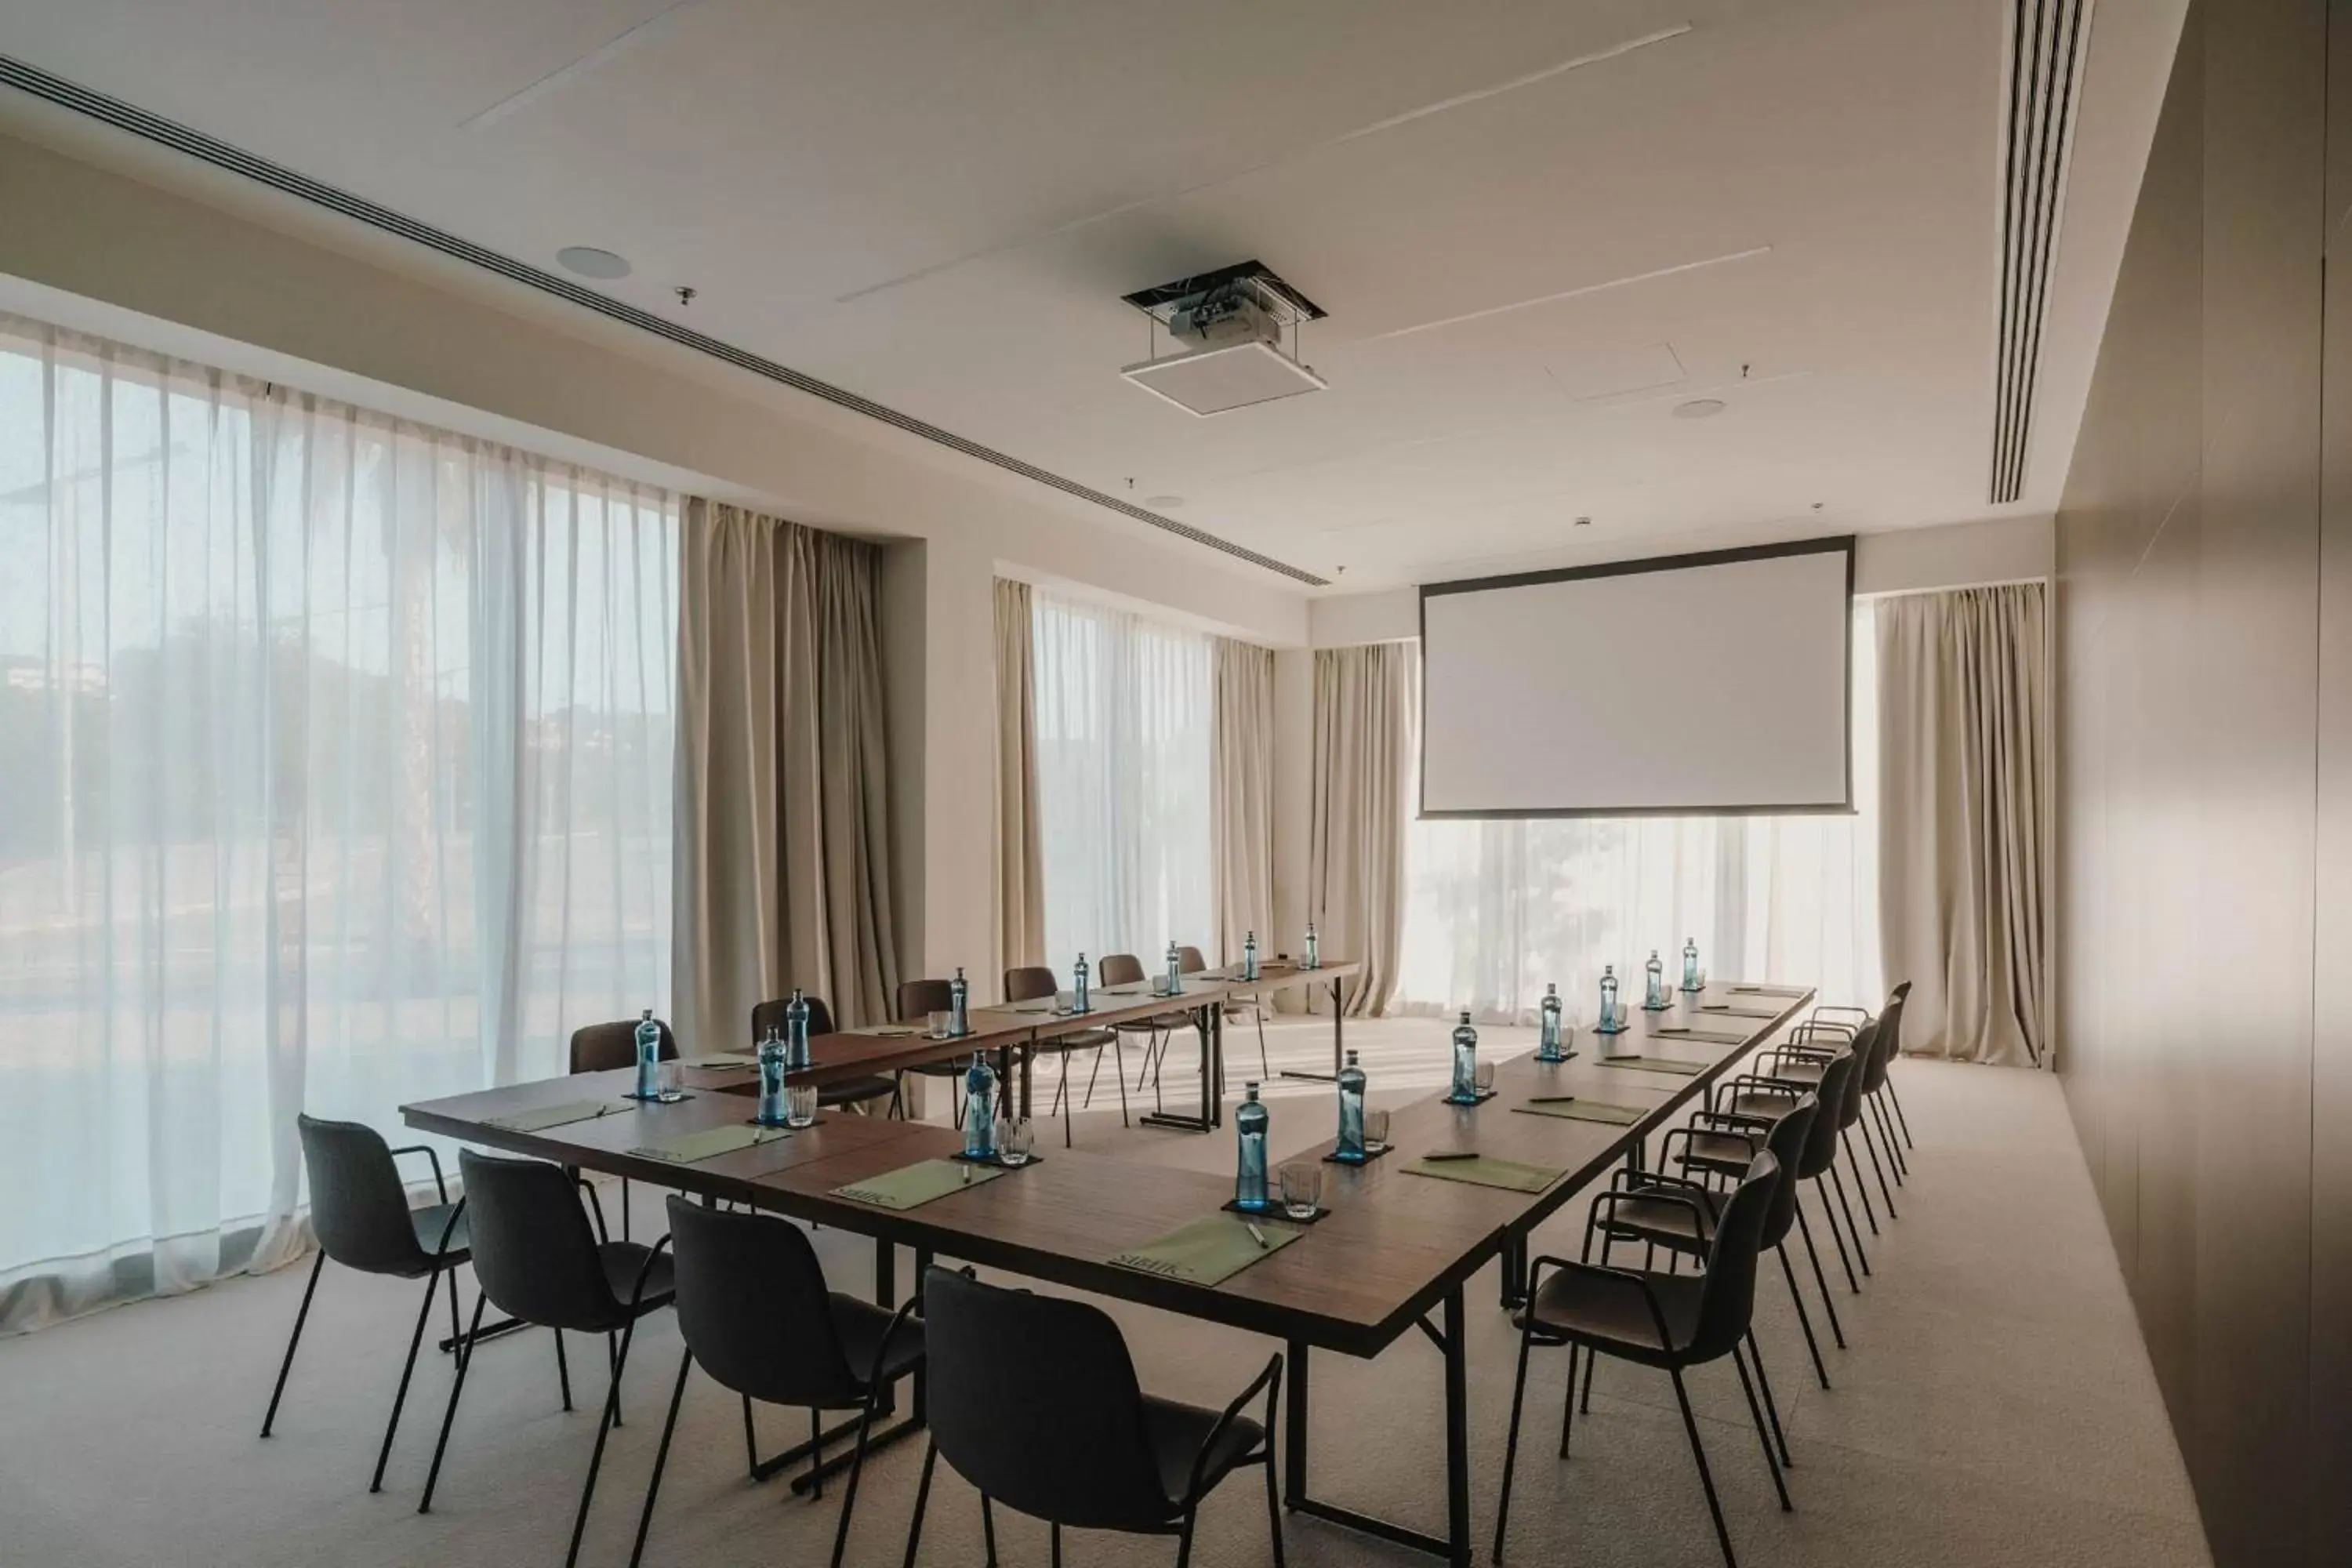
x,y
130,117
2044,59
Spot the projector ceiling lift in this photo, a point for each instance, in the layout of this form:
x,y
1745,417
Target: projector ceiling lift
x,y
1227,327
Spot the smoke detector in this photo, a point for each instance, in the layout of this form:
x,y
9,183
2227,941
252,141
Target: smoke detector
x,y
1226,329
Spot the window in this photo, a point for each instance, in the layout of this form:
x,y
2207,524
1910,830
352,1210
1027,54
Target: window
x,y
335,759
1124,724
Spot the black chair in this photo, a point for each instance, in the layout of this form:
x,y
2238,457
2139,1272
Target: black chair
x,y
358,1208
1033,1400
1035,982
606,1047
1780,1064
535,1257
754,1311
1159,1031
1668,1321
1800,1060
917,1000
1878,1083
1254,1006
862,1091
1751,1095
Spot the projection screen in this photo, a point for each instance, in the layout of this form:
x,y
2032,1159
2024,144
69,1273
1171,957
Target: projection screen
x,y
1691,684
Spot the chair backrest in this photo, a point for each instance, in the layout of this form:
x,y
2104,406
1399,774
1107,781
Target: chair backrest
x,y
1787,1143
358,1206
601,1048
771,1013
1728,1298
534,1256
1890,1019
1821,1138
1864,1047
918,999
754,1310
1120,969
1029,983
1881,1048
1035,1401
1190,960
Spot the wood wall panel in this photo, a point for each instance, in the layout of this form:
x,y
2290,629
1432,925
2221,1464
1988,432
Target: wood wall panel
x,y
2205,688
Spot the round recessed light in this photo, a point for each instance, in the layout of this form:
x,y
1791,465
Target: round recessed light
x,y
1163,503
1699,408
589,262
1584,522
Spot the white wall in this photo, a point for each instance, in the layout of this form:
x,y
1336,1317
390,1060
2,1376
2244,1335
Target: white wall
x,y
254,282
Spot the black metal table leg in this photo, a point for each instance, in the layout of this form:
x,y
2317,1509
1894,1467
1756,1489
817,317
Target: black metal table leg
x,y
1207,1026
1458,1431
1513,1264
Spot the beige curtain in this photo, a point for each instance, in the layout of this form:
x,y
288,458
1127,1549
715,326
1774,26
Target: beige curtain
x,y
1242,808
1963,778
1020,852
781,867
1363,714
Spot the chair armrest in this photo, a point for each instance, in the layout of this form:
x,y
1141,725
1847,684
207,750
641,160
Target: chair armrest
x,y
427,1149
596,1204
1595,1220
638,1291
1269,1383
912,1305
1864,1014
1644,1183
1756,1082
1624,1277
449,1228
1730,1122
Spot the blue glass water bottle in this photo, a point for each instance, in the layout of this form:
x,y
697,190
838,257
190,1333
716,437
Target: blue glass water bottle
x,y
772,1052
648,1056
1175,969
796,1035
1610,1022
1249,957
1690,964
959,1004
1351,1114
980,1109
1548,1040
1080,999
1465,1062
1653,984
1249,1173
1314,953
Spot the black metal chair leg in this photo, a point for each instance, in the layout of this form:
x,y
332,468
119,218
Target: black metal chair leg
x,y
856,1464
1764,1386
1054,1533
407,1369
1568,1405
612,1361
1273,1497
1258,1013
455,1331
1511,1443
661,1459
300,1316
1804,1318
449,1416
1893,1145
1183,1543
1092,1074
750,1440
1756,1417
1901,1120
563,1366
1837,1329
987,1528
816,1455
1119,1070
1706,1479
1846,1141
1853,1230
1870,1143
922,1501
604,1425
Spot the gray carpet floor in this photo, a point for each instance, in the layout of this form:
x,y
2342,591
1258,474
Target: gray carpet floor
x,y
1995,1406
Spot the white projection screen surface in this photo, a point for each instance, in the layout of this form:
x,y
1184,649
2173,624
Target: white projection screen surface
x,y
1694,684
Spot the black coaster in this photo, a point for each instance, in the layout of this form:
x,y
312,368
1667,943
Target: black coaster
x,y
1660,1007
1611,1029
783,1126
1276,1212
1474,1099
1370,1154
655,1098
1565,1058
996,1161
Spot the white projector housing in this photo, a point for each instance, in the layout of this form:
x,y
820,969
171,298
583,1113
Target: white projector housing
x,y
1220,379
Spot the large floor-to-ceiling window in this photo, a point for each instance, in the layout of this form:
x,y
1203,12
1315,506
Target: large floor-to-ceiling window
x,y
1497,909
1124,718
335,761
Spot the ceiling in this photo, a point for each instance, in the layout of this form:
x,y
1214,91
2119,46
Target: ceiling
x,y
1537,228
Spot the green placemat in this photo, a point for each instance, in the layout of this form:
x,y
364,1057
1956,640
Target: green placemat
x,y
1674,1065
564,1115
688,1148
912,1186
721,1059
1206,1251
1712,1036
1486,1171
1586,1111
1728,1011
1769,990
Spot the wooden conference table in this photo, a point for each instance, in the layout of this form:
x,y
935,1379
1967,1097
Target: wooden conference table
x,y
1395,1251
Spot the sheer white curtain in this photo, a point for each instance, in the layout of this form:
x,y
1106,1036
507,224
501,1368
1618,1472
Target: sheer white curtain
x,y
335,772
1125,727
1494,911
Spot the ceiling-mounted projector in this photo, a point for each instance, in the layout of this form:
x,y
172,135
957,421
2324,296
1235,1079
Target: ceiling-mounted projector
x,y
1227,327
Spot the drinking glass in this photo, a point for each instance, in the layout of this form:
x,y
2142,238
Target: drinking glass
x,y
800,1105
1014,1137
669,1086
1064,1003
1302,1188
1482,1075
1376,1130
942,1025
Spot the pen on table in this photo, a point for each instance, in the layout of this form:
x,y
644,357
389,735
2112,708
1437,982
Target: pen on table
x,y
1257,1235
1550,1099
967,1175
1453,1154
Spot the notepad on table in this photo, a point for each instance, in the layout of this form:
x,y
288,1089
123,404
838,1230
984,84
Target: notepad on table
x,y
1486,1171
1678,1066
690,1148
546,1116
1571,1109
912,1186
1208,1250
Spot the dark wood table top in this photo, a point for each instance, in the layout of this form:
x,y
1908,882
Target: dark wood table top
x,y
1392,1245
